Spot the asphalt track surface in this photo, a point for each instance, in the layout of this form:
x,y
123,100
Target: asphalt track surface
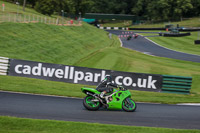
x,y
71,109
142,44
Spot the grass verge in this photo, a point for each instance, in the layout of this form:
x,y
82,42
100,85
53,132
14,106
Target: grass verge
x,y
37,86
21,125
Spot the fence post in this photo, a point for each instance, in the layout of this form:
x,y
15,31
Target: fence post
x,y
45,20
9,17
24,18
20,16
57,21
29,18
33,19
3,15
15,17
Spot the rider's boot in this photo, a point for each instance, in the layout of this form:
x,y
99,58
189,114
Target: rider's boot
x,y
107,99
102,95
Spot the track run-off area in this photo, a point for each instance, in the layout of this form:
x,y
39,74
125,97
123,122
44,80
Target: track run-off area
x,y
146,46
71,109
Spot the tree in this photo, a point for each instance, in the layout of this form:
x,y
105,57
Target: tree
x,y
195,10
130,4
24,4
61,5
80,6
182,7
158,10
100,6
140,8
118,6
32,2
46,7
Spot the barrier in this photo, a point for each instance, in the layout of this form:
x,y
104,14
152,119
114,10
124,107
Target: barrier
x,y
197,42
83,75
176,84
4,65
91,76
175,34
147,28
190,29
113,28
123,28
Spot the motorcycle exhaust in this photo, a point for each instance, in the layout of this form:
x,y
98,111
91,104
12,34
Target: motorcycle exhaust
x,y
96,98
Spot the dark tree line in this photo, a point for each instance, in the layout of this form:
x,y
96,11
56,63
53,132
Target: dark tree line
x,y
157,10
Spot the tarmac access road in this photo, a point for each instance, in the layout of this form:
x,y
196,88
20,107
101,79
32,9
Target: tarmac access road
x,y
71,109
146,46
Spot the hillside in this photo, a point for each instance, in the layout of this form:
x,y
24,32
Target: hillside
x,y
50,43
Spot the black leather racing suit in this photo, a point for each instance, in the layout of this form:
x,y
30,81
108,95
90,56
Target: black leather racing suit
x,y
106,85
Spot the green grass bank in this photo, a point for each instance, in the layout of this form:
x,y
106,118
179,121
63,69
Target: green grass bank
x,y
21,125
51,43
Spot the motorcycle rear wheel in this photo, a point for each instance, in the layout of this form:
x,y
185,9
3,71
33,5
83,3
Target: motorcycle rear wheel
x,y
89,104
129,105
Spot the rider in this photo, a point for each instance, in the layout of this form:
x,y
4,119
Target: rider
x,y
105,86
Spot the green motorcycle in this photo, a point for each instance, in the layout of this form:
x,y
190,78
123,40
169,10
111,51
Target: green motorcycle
x,y
119,99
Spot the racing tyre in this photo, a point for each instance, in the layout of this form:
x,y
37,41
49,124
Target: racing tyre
x,y
91,103
129,105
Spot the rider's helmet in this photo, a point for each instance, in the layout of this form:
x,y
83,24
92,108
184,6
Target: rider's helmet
x,y
108,78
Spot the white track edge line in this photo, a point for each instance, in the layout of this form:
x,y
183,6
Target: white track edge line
x,y
45,95
121,42
168,48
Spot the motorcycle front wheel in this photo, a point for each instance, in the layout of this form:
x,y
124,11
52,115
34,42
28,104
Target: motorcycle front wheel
x,y
129,105
91,103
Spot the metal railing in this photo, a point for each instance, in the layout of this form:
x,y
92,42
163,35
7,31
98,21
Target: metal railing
x,y
31,18
176,84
